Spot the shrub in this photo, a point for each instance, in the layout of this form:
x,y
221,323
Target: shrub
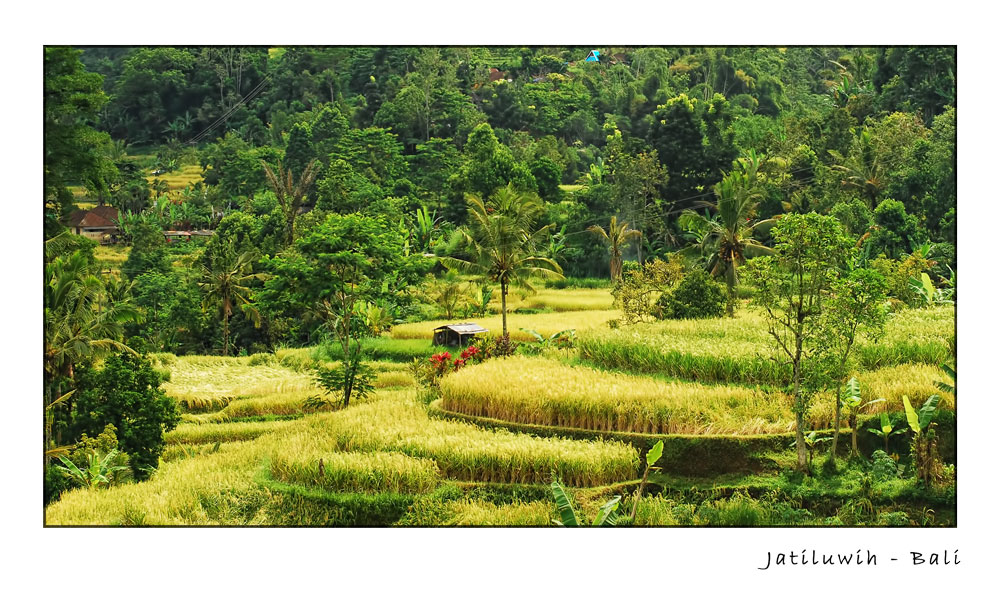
x,y
261,358
127,394
697,296
641,286
883,467
893,519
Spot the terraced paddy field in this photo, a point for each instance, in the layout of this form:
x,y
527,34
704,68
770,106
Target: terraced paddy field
x,y
180,178
740,351
483,454
548,392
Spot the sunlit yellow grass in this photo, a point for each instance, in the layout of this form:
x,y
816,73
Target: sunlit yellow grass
x,y
196,380
557,300
180,178
543,323
176,494
740,350
889,384
394,422
547,392
191,433
470,512
296,460
218,488
111,256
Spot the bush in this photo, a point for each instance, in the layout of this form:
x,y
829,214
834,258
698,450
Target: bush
x,y
893,519
697,296
883,467
126,393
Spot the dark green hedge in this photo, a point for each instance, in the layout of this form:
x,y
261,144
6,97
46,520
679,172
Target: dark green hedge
x,y
295,505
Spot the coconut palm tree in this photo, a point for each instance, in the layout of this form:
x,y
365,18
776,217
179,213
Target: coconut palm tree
x,y
224,283
862,168
82,321
729,238
615,237
502,245
290,191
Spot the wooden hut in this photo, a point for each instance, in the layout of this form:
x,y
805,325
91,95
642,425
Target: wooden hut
x,y
457,334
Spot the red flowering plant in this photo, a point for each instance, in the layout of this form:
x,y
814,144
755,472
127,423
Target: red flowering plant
x,y
430,372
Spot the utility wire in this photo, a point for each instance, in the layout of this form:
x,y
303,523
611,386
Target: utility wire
x,y
232,110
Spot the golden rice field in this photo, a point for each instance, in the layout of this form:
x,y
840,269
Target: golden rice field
x,y
557,300
111,256
396,422
544,323
179,179
547,392
474,512
741,351
389,440
297,459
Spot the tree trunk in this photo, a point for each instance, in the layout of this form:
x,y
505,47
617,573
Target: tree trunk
x,y
503,305
853,421
290,226
225,335
836,428
800,442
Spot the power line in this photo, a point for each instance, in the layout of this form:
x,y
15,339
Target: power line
x,y
232,110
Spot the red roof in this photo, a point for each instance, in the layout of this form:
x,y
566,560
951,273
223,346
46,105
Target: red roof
x,y
100,216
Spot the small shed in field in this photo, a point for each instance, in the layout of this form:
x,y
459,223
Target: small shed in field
x,y
457,334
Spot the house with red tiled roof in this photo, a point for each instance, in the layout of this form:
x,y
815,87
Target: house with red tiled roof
x,y
99,223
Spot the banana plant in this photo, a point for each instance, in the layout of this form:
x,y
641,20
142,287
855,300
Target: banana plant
x,y
425,228
607,515
559,339
924,444
652,456
920,420
945,387
886,430
852,401
479,301
98,471
812,441
929,294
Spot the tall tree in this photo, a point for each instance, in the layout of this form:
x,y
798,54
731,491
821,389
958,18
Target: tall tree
x,y
290,192
730,235
81,323
615,237
225,284
74,151
855,305
502,243
334,270
792,287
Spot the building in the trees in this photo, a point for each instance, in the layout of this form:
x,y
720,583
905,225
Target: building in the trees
x,y
99,223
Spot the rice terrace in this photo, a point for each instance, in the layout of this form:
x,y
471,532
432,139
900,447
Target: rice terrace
x,y
500,286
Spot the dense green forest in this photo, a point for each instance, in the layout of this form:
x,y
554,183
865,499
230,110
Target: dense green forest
x,y
403,134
